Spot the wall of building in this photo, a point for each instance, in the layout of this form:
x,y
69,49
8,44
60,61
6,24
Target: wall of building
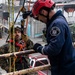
x,y
36,27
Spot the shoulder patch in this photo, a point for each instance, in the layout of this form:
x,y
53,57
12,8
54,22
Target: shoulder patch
x,y
55,31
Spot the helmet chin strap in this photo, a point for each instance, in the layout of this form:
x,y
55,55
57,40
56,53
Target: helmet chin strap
x,y
45,16
48,14
48,10
48,17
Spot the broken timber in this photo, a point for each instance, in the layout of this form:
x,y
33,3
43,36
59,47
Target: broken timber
x,y
29,70
16,53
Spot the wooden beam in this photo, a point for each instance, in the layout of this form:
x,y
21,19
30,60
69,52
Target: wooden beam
x,y
17,53
29,70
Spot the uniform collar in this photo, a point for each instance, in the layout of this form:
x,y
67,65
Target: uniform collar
x,y
57,14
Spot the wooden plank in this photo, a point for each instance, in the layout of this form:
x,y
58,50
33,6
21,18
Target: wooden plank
x,y
17,53
30,70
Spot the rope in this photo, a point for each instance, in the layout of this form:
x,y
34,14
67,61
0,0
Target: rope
x,y
21,46
27,17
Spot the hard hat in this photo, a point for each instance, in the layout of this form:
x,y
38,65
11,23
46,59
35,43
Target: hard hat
x,y
17,27
40,4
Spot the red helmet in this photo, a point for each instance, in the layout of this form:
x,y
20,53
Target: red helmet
x,y
39,4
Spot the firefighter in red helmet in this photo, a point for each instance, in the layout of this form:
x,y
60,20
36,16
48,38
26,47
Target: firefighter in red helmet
x,y
40,4
59,46
47,5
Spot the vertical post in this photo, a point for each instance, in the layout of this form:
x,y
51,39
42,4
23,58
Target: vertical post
x,y
9,35
13,34
11,26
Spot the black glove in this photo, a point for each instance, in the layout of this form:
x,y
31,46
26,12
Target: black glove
x,y
36,47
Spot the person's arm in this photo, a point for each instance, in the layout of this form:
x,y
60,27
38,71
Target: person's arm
x,y
56,41
4,49
29,44
4,61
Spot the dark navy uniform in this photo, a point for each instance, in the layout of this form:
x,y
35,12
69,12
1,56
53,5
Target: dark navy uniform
x,y
59,46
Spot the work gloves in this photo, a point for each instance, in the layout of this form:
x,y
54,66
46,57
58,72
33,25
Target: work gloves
x,y
37,47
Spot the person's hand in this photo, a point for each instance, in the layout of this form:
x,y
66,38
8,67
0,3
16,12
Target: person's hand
x,y
36,47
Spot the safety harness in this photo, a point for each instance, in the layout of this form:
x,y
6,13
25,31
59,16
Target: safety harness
x,y
21,46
